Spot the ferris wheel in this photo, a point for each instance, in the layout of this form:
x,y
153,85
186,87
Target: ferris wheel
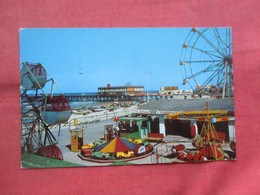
x,y
206,61
40,111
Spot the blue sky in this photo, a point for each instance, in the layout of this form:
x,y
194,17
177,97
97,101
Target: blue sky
x,y
83,59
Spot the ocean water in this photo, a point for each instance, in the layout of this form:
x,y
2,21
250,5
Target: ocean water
x,y
78,105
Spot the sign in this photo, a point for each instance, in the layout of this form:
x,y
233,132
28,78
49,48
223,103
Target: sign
x,y
164,112
144,111
131,89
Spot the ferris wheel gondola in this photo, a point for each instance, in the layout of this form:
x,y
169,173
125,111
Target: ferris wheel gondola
x,y
33,76
57,110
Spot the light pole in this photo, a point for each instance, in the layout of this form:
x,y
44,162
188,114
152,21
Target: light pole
x,y
147,75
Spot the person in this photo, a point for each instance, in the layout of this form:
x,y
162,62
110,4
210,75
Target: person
x,y
116,131
111,132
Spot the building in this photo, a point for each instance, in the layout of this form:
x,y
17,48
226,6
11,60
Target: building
x,y
168,90
174,90
119,91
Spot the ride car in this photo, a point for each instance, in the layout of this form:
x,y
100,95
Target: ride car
x,y
148,146
100,155
128,154
87,146
99,142
136,141
86,152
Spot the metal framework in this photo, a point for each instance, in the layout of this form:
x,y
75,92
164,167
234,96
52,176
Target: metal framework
x,y
209,136
34,131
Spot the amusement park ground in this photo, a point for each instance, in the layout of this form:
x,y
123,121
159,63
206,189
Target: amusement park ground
x,y
92,132
95,131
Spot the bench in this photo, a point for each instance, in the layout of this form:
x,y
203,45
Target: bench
x,y
155,137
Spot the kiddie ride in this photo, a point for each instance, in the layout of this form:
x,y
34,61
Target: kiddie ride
x,y
124,141
40,111
208,144
116,149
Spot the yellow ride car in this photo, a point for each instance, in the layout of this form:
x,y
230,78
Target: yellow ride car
x,y
136,141
87,146
121,155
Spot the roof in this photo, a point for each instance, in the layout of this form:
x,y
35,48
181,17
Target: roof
x,y
208,115
116,145
133,119
179,105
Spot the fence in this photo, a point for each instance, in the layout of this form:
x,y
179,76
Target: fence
x,y
98,116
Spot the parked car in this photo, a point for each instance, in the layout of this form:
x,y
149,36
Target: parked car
x,y
100,155
97,109
125,105
129,154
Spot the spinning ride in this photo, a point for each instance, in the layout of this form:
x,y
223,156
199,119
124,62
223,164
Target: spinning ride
x,y
208,143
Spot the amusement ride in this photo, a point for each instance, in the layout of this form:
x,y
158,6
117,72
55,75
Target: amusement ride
x,y
206,61
40,111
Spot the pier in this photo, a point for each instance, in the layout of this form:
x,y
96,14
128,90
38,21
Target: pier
x,y
79,97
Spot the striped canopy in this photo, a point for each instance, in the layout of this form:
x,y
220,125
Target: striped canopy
x,y
116,145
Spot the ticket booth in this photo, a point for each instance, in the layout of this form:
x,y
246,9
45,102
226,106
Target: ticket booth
x,y
77,139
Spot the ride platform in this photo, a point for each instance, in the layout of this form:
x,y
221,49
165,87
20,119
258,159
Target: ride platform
x,y
85,158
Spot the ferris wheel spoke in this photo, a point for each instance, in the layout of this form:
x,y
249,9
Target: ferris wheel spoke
x,y
209,69
224,43
229,49
193,33
227,38
206,52
211,77
215,30
211,66
210,43
227,42
230,41
207,82
202,61
220,77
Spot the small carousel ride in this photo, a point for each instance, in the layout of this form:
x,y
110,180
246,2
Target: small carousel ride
x,y
125,140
